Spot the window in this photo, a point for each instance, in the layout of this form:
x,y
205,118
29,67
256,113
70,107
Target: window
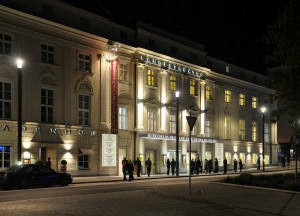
x,y
47,105
84,62
267,133
254,158
227,127
192,87
173,124
83,109
208,128
5,156
151,78
151,42
242,129
208,94
242,99
5,44
173,83
123,72
227,96
254,131
47,54
123,118
228,157
151,121
5,100
83,160
254,102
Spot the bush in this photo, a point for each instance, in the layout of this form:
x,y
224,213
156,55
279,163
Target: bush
x,y
63,162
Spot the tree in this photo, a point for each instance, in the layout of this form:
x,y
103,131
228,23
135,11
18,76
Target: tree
x,y
283,40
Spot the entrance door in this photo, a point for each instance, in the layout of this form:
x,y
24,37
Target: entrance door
x,y
46,151
122,153
151,155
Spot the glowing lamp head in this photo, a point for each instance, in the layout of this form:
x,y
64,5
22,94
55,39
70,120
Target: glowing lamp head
x,y
177,93
19,63
263,109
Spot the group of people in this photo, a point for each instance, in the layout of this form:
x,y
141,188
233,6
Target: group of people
x,y
285,160
128,168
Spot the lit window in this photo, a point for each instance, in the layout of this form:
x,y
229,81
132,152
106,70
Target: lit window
x,y
122,118
192,87
47,105
84,62
242,129
83,160
5,156
151,121
83,109
151,78
254,102
5,100
173,83
123,72
47,54
207,128
5,44
242,99
172,124
227,128
208,94
254,131
227,96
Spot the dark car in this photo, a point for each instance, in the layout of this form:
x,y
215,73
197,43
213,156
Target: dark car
x,y
30,175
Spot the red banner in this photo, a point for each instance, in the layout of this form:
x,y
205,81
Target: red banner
x,y
114,96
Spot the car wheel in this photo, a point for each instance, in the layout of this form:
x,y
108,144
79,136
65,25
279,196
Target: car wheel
x,y
64,182
23,183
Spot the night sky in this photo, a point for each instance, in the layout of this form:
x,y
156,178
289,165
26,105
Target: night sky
x,y
230,30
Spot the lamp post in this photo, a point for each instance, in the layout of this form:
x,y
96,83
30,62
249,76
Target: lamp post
x,y
263,110
19,66
177,133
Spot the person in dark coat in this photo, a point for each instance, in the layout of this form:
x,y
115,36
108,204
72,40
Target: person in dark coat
x,y
225,165
206,166
48,163
210,166
201,166
241,165
216,165
258,163
173,165
139,167
283,161
124,168
148,166
235,165
192,166
197,166
288,161
130,169
168,166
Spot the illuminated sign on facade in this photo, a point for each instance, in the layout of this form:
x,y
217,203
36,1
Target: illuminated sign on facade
x,y
173,137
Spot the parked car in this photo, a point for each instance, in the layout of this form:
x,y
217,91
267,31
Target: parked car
x,y
30,175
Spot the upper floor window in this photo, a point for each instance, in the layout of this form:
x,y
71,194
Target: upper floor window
x,y
5,156
192,87
227,127
172,124
208,128
208,93
83,110
228,96
122,118
47,54
84,62
151,121
47,105
151,42
254,102
151,78
173,83
123,72
5,44
254,131
242,129
5,100
242,99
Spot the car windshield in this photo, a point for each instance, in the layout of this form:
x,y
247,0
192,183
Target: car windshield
x,y
14,168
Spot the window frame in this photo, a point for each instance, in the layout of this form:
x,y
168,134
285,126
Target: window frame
x,y
254,131
193,87
123,71
3,160
208,92
6,103
48,106
227,94
151,78
81,120
242,99
173,82
83,64
49,57
123,118
254,102
81,154
6,45
151,120
242,129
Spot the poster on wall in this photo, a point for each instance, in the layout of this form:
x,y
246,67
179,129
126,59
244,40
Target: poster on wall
x,y
219,153
109,150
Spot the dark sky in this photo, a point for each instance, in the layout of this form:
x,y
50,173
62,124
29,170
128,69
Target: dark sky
x,y
229,29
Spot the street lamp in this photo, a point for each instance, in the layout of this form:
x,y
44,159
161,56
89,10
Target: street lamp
x,y
177,133
263,110
19,66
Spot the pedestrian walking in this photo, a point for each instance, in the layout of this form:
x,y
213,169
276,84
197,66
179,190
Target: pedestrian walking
x,y
192,166
288,161
197,166
139,167
124,168
225,165
130,169
168,166
210,166
206,166
235,165
173,165
283,161
201,166
258,163
48,163
148,166
216,165
241,165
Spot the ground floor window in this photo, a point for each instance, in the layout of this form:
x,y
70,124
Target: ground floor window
x,y
228,157
83,160
5,152
254,158
243,157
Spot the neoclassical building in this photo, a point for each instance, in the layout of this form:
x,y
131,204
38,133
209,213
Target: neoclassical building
x,y
94,91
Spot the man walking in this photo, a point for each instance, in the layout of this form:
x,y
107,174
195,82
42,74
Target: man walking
x,y
148,166
139,167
